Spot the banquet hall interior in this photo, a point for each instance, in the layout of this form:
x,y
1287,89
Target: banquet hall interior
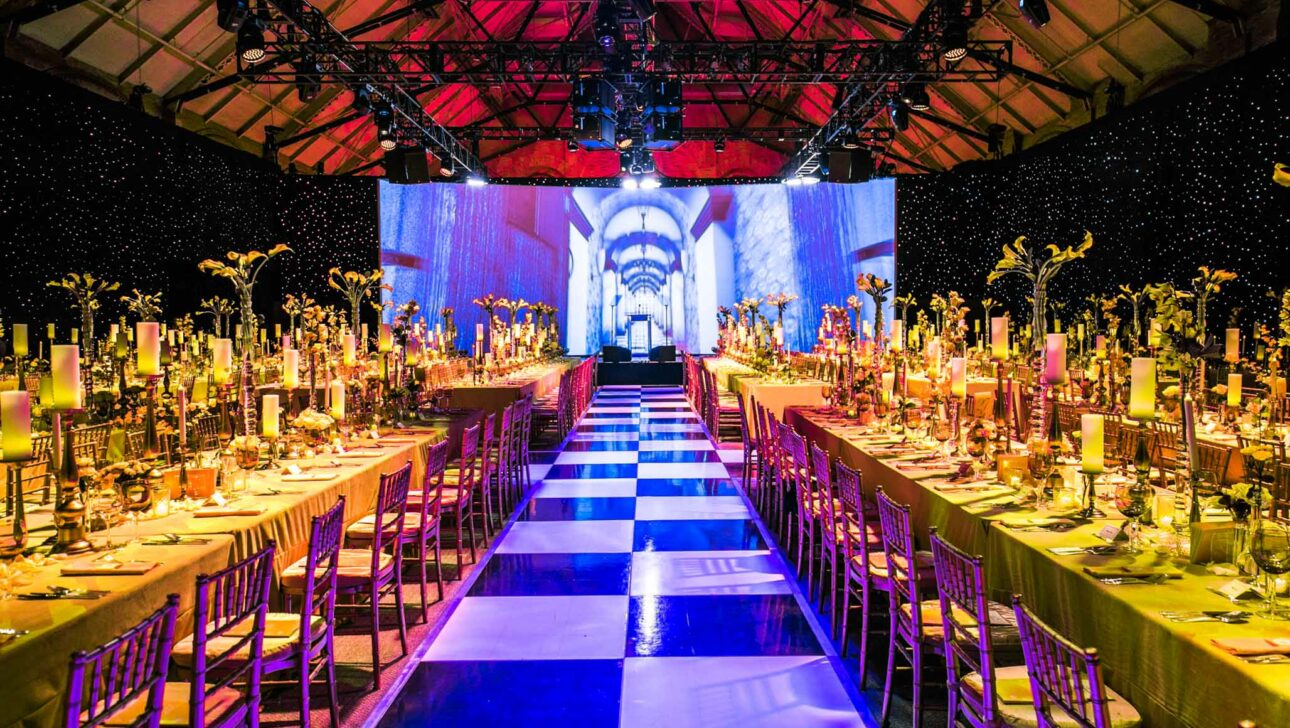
x,y
778,363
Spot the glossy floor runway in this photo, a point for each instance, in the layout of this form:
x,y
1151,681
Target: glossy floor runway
x,y
636,588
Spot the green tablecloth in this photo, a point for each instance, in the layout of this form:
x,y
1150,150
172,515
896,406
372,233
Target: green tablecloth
x,y
1169,671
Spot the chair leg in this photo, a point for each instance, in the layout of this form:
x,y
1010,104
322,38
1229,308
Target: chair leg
x,y
846,613
470,515
438,564
421,553
458,544
304,688
916,661
891,672
866,598
398,603
376,635
334,708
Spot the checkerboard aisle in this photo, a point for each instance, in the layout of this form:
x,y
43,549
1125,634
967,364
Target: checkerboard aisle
x,y
635,589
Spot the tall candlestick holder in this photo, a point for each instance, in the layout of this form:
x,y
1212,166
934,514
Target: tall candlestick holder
x,y
151,443
69,513
1089,509
1002,429
17,541
225,420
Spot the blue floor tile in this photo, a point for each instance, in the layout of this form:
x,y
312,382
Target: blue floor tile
x,y
515,692
543,457
600,445
651,435
580,509
648,421
719,626
593,470
553,575
684,486
679,456
607,428
591,417
695,535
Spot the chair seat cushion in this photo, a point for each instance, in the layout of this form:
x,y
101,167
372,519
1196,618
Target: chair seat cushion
x,y
872,535
364,529
1017,706
281,635
355,569
174,706
1003,623
878,564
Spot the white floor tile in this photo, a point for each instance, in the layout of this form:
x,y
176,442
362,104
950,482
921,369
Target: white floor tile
x,y
534,628
680,573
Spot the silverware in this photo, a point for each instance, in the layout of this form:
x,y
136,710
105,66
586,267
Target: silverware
x,y
1267,659
9,632
1230,617
1120,580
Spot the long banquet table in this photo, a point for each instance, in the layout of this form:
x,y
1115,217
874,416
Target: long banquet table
x,y
1169,671
493,397
34,666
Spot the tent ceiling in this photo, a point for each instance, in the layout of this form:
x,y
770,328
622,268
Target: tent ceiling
x,y
175,46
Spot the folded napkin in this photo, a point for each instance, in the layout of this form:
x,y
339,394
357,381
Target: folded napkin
x,y
1131,571
1253,646
1039,522
360,454
107,568
308,476
220,511
920,471
398,440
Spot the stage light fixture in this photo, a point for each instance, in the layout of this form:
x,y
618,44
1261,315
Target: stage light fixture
x,y
475,180
230,14
810,179
250,41
309,75
650,183
571,146
630,183
362,102
915,96
1035,12
386,137
793,181
954,38
606,23
899,114
719,146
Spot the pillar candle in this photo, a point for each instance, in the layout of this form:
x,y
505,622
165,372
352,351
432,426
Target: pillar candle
x,y
149,349
1232,352
290,368
897,335
958,377
1278,386
934,356
286,341
65,368
385,341
1092,443
1233,390
999,338
1099,346
170,337
20,340
50,329
76,336
264,336
1142,388
15,425
347,349
277,331
222,360
976,325
181,404
338,400
269,416
46,391
1055,359
363,338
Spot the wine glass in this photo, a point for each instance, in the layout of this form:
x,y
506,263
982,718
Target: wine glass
x,y
1131,502
106,505
138,500
942,432
1039,462
1270,549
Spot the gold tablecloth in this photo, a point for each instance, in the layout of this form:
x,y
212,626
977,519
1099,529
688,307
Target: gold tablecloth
x,y
493,397
34,667
1169,671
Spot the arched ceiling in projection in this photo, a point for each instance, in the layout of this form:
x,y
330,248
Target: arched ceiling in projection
x,y
761,89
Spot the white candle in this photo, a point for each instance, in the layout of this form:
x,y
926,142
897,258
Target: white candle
x,y
148,352
290,368
385,343
479,332
15,424
1232,351
897,335
1092,443
338,400
170,337
277,331
181,404
1055,359
1142,388
286,341
363,330
65,366
20,340
222,363
1233,390
934,356
76,336
347,349
958,377
50,329
999,338
1099,347
47,391
270,416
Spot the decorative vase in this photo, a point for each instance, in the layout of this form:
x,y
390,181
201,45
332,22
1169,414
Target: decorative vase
x,y
1240,555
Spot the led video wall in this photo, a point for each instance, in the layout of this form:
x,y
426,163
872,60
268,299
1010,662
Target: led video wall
x,y
637,268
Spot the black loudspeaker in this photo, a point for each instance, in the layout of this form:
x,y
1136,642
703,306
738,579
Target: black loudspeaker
x,y
407,166
850,165
595,113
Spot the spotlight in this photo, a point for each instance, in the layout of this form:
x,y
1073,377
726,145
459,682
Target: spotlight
x,y
230,14
915,96
793,181
362,102
385,135
650,183
606,23
810,179
851,140
719,146
899,114
1034,11
475,180
571,146
954,39
630,183
309,75
250,41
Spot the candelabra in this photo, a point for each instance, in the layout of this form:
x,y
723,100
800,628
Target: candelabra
x,y
69,514
151,445
1089,509
17,542
1002,427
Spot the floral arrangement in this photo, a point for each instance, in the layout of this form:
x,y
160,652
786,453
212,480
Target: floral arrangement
x,y
878,290
85,289
489,303
219,309
1206,284
313,421
147,306
1018,259
903,304
357,287
780,301
242,270
1240,499
126,470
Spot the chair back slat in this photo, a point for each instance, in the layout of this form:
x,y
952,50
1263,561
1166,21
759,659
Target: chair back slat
x,y
1065,680
391,513
326,537
902,562
820,469
129,668
965,618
